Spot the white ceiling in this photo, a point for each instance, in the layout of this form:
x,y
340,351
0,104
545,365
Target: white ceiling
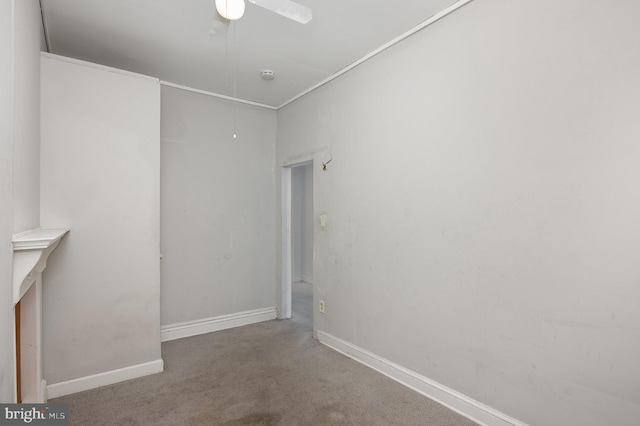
x,y
174,41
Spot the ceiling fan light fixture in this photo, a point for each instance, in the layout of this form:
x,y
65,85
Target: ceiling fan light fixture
x,y
230,9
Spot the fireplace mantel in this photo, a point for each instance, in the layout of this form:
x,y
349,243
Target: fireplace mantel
x,y
31,249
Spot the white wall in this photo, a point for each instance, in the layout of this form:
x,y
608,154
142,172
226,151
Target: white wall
x,y
19,156
482,206
100,178
7,372
26,150
302,222
218,208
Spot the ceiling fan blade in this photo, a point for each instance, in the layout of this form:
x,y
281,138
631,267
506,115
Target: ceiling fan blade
x,y
287,8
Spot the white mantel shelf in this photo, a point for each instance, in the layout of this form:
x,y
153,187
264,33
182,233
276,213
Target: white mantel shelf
x,y
31,249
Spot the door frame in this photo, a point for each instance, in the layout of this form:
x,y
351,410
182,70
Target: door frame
x,y
287,249
318,158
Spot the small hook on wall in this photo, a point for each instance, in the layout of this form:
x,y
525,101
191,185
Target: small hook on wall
x,y
324,164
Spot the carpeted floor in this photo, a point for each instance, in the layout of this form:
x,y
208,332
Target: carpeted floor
x,y
272,373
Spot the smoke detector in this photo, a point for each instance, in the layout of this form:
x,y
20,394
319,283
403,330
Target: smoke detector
x,y
267,75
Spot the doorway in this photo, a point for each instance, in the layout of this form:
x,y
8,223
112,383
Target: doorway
x,y
302,244
297,243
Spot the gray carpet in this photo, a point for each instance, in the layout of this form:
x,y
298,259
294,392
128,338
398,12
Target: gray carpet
x,y
272,373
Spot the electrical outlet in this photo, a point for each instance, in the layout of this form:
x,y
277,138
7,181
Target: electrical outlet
x,y
321,306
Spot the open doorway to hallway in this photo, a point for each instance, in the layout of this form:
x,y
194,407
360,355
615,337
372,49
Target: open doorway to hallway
x,y
302,244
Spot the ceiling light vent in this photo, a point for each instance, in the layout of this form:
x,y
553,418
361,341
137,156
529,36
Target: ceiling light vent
x,y
267,75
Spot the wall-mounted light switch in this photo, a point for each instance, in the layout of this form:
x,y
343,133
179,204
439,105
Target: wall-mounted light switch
x,y
323,221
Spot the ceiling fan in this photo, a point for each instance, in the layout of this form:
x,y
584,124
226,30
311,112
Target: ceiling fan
x,y
234,9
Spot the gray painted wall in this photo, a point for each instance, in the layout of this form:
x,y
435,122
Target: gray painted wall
x,y
19,156
218,207
482,206
100,178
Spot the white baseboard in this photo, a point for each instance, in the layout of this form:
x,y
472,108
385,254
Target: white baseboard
x,y
223,322
456,401
307,279
103,379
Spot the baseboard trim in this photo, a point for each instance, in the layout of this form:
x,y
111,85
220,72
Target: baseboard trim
x,y
450,398
208,325
56,390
